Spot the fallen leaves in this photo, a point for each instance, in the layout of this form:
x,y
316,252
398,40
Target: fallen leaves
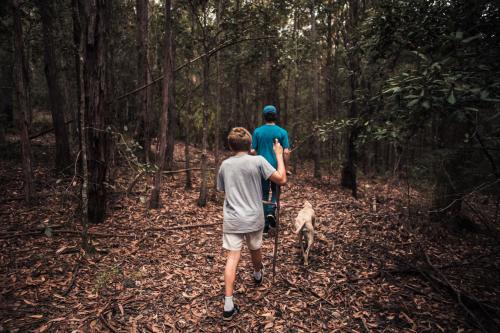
x,y
165,274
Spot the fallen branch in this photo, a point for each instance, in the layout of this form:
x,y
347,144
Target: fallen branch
x,y
184,170
104,235
34,136
209,53
458,295
181,227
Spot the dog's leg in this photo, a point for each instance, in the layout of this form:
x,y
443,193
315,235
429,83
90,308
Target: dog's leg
x,y
310,239
301,242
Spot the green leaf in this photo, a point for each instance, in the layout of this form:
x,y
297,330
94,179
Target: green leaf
x,y
451,98
426,105
459,34
48,232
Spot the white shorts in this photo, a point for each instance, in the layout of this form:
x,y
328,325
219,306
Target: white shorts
x,y
233,242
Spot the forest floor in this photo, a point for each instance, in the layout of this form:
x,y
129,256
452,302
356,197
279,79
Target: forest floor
x,y
373,267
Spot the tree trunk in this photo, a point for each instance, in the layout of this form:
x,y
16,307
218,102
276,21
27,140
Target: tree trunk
x,y
56,98
142,42
329,82
316,78
202,199
22,97
154,200
172,114
94,25
77,58
187,155
79,38
217,95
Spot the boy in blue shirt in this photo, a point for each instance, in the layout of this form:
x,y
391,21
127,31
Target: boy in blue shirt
x,y
262,144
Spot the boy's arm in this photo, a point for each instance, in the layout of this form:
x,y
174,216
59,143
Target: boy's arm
x,y
253,149
286,150
220,180
279,176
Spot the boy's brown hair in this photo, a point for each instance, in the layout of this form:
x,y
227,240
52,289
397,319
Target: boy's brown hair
x,y
239,139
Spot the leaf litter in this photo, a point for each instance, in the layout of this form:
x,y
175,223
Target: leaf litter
x,y
368,270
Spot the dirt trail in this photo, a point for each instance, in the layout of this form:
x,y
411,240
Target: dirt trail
x,y
366,271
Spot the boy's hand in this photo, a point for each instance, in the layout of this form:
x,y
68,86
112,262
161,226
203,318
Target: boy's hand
x,y
278,149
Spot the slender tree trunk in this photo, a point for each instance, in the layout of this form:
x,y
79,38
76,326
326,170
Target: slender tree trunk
x,y
94,24
316,78
22,98
77,58
202,199
349,169
329,60
142,41
154,200
187,155
217,95
79,37
56,98
172,115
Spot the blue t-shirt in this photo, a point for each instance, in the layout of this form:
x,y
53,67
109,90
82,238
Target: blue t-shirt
x,y
263,141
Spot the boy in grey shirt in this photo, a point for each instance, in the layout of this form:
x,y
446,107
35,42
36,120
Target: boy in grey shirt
x,y
240,177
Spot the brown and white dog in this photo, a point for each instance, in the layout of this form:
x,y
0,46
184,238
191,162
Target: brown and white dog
x,y
304,228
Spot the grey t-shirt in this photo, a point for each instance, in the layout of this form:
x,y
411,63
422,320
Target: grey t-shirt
x,y
240,177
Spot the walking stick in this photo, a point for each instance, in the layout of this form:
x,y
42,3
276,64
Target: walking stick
x,y
275,255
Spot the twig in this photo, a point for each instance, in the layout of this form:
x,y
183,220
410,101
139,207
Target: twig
x,y
308,290
133,182
108,325
73,276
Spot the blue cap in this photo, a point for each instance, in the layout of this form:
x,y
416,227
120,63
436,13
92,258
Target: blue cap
x,y
269,109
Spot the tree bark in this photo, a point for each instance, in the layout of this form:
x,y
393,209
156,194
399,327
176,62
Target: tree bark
x,y
94,24
329,82
22,97
78,59
56,98
202,199
143,77
187,155
79,38
168,70
217,95
316,78
172,113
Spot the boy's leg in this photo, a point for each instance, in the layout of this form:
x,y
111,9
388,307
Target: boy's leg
x,y
268,209
256,259
232,243
274,195
254,243
233,257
